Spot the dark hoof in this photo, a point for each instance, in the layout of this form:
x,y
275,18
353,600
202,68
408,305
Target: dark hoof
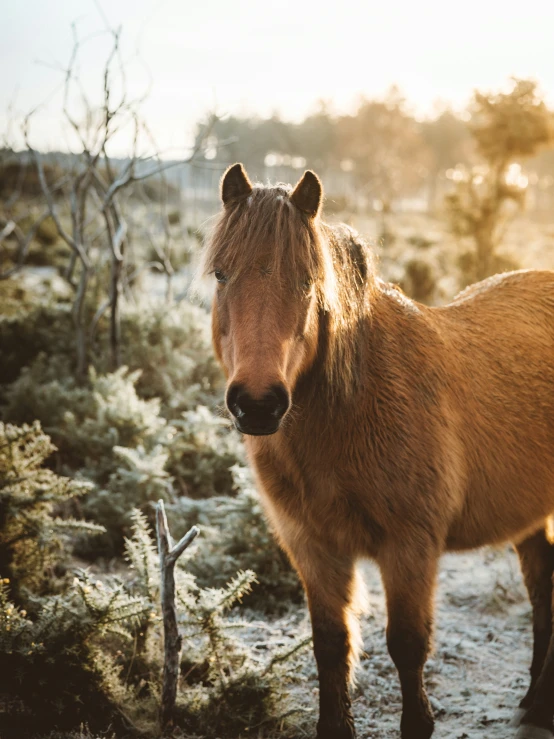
x,y
336,731
420,729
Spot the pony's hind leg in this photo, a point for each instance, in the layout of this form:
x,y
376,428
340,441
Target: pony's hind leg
x,y
537,563
409,579
537,723
536,556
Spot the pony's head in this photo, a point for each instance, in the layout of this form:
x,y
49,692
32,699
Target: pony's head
x,y
275,277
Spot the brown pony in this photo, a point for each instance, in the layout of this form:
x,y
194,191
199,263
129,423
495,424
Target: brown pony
x,y
382,428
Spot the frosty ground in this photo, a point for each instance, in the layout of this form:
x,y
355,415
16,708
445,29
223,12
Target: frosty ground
x,y
479,669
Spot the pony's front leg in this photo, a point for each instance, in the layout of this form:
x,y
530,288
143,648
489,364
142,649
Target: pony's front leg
x,y
332,587
409,579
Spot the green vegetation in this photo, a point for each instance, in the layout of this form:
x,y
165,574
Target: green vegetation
x,y
85,644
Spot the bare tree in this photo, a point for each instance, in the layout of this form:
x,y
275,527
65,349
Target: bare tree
x,y
88,205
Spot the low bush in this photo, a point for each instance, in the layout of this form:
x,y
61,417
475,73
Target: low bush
x,y
107,434
170,345
33,539
88,648
237,537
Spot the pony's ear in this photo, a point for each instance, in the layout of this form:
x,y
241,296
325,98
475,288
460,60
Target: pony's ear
x,y
235,184
308,193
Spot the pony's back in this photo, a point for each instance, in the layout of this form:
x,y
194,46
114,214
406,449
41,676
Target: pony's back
x,y
499,351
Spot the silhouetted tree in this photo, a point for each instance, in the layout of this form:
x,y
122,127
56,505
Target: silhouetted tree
x,y
506,127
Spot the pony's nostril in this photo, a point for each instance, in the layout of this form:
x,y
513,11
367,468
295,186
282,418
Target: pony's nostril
x,y
268,409
234,394
279,398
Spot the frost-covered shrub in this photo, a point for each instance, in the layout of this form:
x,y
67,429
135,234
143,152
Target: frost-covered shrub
x,y
50,627
37,326
92,650
60,664
33,537
115,416
171,345
93,653
109,435
202,450
105,434
227,686
238,537
89,649
88,421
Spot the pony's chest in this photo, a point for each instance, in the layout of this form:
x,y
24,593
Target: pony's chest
x,y
326,500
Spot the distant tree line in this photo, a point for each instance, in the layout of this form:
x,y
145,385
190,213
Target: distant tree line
x,y
388,152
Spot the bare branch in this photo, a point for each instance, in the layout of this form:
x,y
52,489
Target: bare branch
x,y
51,204
7,230
183,544
172,639
23,242
129,175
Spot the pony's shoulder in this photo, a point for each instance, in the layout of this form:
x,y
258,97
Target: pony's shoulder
x,y
395,293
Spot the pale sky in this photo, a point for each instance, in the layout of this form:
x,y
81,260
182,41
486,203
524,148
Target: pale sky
x,y
256,56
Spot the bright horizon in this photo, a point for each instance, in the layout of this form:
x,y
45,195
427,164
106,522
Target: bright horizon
x,y
258,58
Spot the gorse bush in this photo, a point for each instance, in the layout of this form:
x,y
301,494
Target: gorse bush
x,y
169,344
33,327
202,450
60,665
123,445
87,421
49,625
114,416
104,431
227,687
91,651
136,434
33,539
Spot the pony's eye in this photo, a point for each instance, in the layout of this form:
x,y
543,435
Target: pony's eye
x,y
220,276
307,284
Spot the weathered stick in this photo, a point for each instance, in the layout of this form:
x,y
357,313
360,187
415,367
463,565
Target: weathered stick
x,y
169,554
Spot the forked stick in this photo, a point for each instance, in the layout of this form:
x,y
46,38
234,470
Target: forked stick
x,y
169,554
